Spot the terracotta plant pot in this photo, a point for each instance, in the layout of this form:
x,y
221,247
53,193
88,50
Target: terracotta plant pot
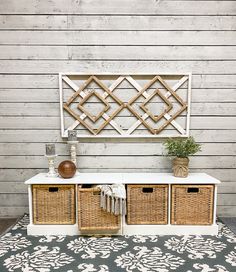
x,y
180,167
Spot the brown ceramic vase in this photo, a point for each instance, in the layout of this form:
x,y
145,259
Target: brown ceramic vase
x,y
67,169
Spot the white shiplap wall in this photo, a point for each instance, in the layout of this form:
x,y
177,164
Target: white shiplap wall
x,y
38,39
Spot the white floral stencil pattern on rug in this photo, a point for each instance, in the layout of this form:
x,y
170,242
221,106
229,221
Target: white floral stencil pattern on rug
x,y
206,268
144,239
231,258
196,246
42,260
94,247
10,242
227,233
90,268
145,259
22,253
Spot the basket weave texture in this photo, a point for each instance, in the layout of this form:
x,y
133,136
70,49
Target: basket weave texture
x,y
147,204
90,214
192,204
53,204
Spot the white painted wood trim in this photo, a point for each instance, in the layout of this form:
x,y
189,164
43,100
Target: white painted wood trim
x,y
125,230
126,74
76,204
175,124
65,230
126,178
135,84
138,123
52,229
30,204
70,83
130,136
170,230
114,124
169,205
215,204
61,106
115,83
189,104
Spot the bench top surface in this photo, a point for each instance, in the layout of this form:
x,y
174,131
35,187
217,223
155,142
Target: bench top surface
x,y
126,178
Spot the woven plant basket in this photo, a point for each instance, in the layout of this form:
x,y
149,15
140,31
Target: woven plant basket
x,y
180,167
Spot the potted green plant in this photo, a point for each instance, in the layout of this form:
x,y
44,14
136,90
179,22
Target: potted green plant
x,y
181,149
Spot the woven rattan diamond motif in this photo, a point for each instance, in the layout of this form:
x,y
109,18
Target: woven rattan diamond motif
x,y
100,106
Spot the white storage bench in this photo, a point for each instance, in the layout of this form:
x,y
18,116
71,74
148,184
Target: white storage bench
x,y
166,205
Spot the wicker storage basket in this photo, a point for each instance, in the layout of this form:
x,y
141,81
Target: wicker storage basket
x,y
192,204
91,216
53,204
147,204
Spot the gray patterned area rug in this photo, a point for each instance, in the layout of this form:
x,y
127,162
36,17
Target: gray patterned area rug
x,y
19,252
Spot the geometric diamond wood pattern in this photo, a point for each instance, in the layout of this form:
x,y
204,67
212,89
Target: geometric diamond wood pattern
x,y
149,99
125,105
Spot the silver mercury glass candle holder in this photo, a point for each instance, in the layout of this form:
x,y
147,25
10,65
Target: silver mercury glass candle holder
x,y
51,156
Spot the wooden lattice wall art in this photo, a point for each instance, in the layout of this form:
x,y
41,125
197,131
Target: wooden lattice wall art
x,y
112,105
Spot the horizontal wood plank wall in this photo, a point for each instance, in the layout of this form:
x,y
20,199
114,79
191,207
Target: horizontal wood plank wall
x,y
38,39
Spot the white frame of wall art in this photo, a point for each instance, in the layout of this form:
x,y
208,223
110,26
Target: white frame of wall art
x,y
79,119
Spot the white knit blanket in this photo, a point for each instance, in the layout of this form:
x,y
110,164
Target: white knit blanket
x,y
113,198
